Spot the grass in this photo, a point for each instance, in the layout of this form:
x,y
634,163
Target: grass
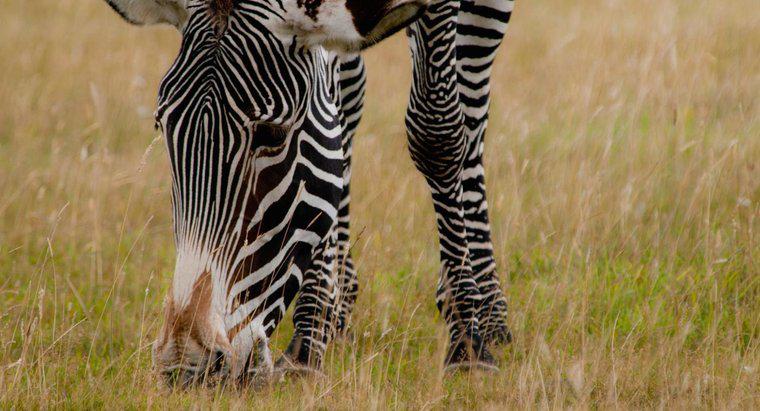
x,y
623,174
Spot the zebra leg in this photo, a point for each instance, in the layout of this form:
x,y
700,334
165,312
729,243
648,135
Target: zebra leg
x,y
314,315
437,145
481,27
352,86
492,311
330,287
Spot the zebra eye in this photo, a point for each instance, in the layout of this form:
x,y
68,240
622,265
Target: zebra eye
x,y
269,137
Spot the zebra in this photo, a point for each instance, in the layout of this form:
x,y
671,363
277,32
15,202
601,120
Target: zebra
x,y
250,111
258,112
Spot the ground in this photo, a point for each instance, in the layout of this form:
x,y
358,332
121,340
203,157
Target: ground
x,y
623,174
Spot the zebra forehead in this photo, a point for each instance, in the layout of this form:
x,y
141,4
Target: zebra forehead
x,y
220,11
223,6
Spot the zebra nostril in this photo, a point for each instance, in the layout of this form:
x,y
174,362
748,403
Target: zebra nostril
x,y
178,378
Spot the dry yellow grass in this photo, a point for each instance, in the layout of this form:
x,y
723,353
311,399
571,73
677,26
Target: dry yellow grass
x,y
623,164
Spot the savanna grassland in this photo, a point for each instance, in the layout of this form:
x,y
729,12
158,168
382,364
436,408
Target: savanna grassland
x,y
623,163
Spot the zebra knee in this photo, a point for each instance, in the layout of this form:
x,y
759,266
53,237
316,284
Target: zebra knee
x,y
437,161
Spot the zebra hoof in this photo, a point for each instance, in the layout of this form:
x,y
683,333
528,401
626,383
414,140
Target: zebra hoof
x,y
258,379
346,336
470,366
499,337
469,354
285,367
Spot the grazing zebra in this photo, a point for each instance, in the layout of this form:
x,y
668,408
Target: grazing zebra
x,y
250,110
258,118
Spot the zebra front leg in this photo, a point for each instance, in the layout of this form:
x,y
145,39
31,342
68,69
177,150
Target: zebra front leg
x,y
352,87
437,144
483,24
458,296
329,271
314,315
492,311
348,283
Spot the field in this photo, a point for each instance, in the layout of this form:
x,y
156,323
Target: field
x,y
623,163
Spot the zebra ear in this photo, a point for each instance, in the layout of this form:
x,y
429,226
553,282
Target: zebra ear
x,y
349,25
375,25
147,12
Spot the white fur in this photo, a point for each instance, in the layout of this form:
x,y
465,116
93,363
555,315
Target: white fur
x,y
334,28
148,12
333,25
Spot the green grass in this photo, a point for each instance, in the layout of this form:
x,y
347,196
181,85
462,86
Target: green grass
x,y
624,184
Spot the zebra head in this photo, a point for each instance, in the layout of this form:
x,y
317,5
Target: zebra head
x,y
250,113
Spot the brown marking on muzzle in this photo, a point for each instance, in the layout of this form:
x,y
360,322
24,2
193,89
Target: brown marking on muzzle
x,y
192,320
